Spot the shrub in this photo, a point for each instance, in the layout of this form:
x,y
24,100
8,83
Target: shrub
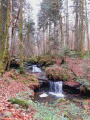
x,y
63,53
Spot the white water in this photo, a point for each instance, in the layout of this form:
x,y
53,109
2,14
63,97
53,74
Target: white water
x,y
36,69
56,89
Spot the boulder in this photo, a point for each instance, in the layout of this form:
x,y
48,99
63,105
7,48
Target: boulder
x,y
73,84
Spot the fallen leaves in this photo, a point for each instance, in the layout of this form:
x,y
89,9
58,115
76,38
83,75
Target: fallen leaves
x,y
7,110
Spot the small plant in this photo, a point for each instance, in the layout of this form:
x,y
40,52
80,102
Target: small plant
x,y
85,103
63,53
66,50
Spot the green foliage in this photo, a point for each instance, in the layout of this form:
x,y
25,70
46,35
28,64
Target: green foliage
x,y
47,113
19,102
74,54
64,51
85,103
61,100
22,70
33,60
44,60
66,111
67,50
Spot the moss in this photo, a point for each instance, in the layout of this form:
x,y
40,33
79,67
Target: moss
x,y
28,79
43,68
45,60
1,30
19,102
58,73
61,100
33,60
4,61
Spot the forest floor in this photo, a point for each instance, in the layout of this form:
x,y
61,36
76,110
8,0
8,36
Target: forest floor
x,y
80,67
15,86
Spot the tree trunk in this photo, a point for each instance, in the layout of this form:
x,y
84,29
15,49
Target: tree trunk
x,y
4,61
60,24
87,25
10,35
67,24
43,42
49,34
1,30
82,51
21,36
76,29
61,29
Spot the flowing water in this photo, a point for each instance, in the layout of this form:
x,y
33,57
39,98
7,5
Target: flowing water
x,y
55,89
36,69
48,93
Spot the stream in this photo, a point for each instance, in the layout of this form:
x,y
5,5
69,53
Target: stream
x,y
49,91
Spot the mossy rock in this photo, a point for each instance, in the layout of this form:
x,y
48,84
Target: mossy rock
x,y
19,102
57,73
61,100
14,63
44,60
33,60
43,68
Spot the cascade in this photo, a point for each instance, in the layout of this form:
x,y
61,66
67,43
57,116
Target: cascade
x,y
56,89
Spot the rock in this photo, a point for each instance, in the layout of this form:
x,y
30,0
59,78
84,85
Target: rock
x,y
58,73
71,84
14,63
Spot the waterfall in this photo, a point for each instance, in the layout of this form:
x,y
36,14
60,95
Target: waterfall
x,y
56,89
36,69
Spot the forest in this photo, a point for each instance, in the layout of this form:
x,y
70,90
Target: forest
x,y
44,60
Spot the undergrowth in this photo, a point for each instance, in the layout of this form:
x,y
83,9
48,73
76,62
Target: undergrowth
x,y
62,109
63,112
